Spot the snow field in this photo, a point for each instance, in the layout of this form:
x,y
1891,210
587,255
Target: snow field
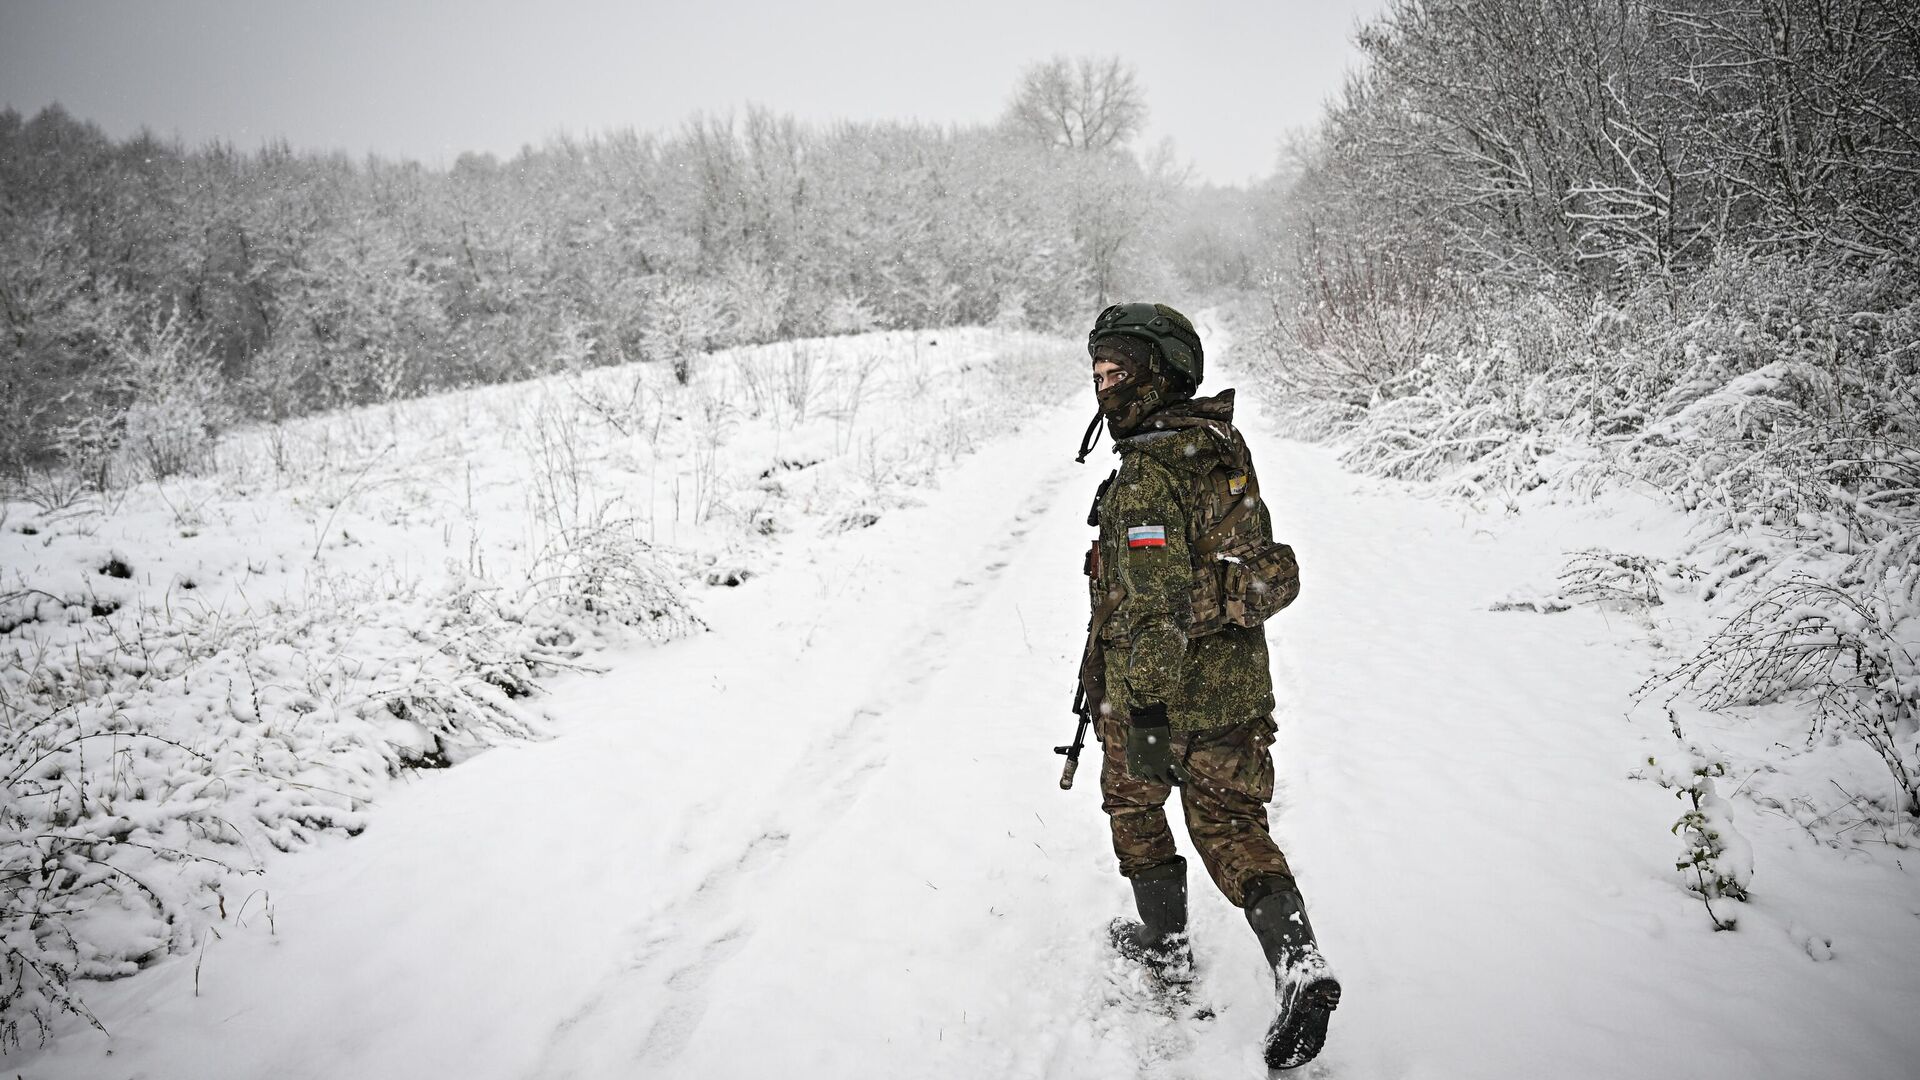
x,y
1460,792
352,595
825,838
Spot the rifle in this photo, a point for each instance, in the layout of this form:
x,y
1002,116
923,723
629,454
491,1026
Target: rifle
x,y
1072,750
1093,673
1088,672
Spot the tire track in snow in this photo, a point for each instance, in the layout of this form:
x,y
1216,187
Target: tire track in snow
x,y
694,936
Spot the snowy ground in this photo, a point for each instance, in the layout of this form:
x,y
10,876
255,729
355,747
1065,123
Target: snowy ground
x,y
825,839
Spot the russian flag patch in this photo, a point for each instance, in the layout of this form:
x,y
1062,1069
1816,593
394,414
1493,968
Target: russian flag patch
x,y
1146,536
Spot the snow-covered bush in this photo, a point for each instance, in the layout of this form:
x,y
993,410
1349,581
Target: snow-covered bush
x,y
1793,435
782,381
755,299
1614,578
1716,862
1775,401
852,315
168,437
684,319
603,570
1469,387
153,411
88,446
1352,338
149,755
1849,653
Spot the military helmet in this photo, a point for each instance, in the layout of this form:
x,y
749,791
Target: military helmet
x,y
1159,325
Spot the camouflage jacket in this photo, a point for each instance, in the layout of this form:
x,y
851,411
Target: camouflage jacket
x,y
1172,482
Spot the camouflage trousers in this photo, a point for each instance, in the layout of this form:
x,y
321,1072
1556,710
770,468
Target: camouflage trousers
x,y
1230,773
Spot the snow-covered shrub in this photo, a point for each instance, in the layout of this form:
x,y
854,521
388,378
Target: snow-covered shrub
x,y
1793,434
604,571
574,345
1598,576
1469,426
1011,312
755,301
168,437
50,490
1790,387
361,317
62,314
1775,399
88,446
1355,337
1716,862
277,382
155,410
1838,649
852,315
684,319
781,381
1473,388
149,758
798,379
621,405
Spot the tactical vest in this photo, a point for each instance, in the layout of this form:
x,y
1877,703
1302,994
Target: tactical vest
x,y
1241,577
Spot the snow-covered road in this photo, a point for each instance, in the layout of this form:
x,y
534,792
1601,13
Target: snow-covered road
x,y
825,840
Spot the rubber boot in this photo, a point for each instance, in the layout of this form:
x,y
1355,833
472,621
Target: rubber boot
x,y
1305,991
1159,939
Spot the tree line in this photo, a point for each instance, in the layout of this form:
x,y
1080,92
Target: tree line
x,y
1501,173
275,282
1601,147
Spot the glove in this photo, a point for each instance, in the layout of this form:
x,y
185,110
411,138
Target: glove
x,y
1150,746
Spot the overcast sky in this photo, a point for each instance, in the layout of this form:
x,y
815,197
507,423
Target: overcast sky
x,y
1225,79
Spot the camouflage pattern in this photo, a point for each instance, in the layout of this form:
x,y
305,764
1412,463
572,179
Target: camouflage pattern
x,y
1225,801
1145,388
1179,473
1143,653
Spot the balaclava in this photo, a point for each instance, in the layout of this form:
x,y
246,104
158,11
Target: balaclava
x,y
1147,388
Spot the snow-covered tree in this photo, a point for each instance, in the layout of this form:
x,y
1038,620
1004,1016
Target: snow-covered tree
x,y
1083,103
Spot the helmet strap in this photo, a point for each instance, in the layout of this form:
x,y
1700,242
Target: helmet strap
x,y
1092,437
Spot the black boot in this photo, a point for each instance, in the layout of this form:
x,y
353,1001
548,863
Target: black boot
x,y
1159,940
1305,990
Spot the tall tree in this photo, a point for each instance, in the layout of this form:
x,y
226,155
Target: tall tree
x,y
1079,104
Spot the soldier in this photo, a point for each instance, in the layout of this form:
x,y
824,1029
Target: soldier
x,y
1183,574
